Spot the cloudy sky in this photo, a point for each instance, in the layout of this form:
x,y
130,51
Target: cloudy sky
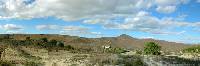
x,y
170,20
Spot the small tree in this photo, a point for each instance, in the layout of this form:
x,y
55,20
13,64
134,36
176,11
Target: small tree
x,y
152,48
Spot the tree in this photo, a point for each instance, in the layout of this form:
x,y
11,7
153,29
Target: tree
x,y
152,48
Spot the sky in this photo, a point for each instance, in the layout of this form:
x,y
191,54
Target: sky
x,y
170,20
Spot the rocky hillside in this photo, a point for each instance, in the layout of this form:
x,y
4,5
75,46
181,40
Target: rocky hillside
x,y
122,41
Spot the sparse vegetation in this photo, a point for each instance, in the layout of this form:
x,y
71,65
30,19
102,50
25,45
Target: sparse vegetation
x,y
5,63
51,43
44,39
177,60
116,50
33,64
121,60
60,44
103,59
28,38
2,48
138,52
69,47
40,51
131,60
192,50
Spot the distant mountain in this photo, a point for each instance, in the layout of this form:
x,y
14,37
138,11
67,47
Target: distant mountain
x,y
125,36
123,41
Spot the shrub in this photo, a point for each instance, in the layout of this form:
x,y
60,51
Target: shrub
x,y
152,48
69,47
138,62
138,52
52,43
129,60
44,39
5,63
117,60
116,50
6,36
27,42
60,44
32,64
192,49
104,59
2,48
28,38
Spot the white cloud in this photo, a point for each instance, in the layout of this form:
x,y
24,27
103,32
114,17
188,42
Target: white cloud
x,y
16,32
67,9
166,9
181,17
79,31
97,12
144,4
11,27
198,1
171,2
140,22
47,27
167,2
75,28
144,22
94,21
142,13
97,33
168,33
168,6
69,30
81,9
64,28
147,37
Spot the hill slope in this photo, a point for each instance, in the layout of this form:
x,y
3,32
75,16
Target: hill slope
x,y
123,41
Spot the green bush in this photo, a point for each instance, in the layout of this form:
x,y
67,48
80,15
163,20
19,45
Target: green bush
x,y
152,48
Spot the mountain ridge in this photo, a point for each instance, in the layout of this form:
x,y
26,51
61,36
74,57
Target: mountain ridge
x,y
122,41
